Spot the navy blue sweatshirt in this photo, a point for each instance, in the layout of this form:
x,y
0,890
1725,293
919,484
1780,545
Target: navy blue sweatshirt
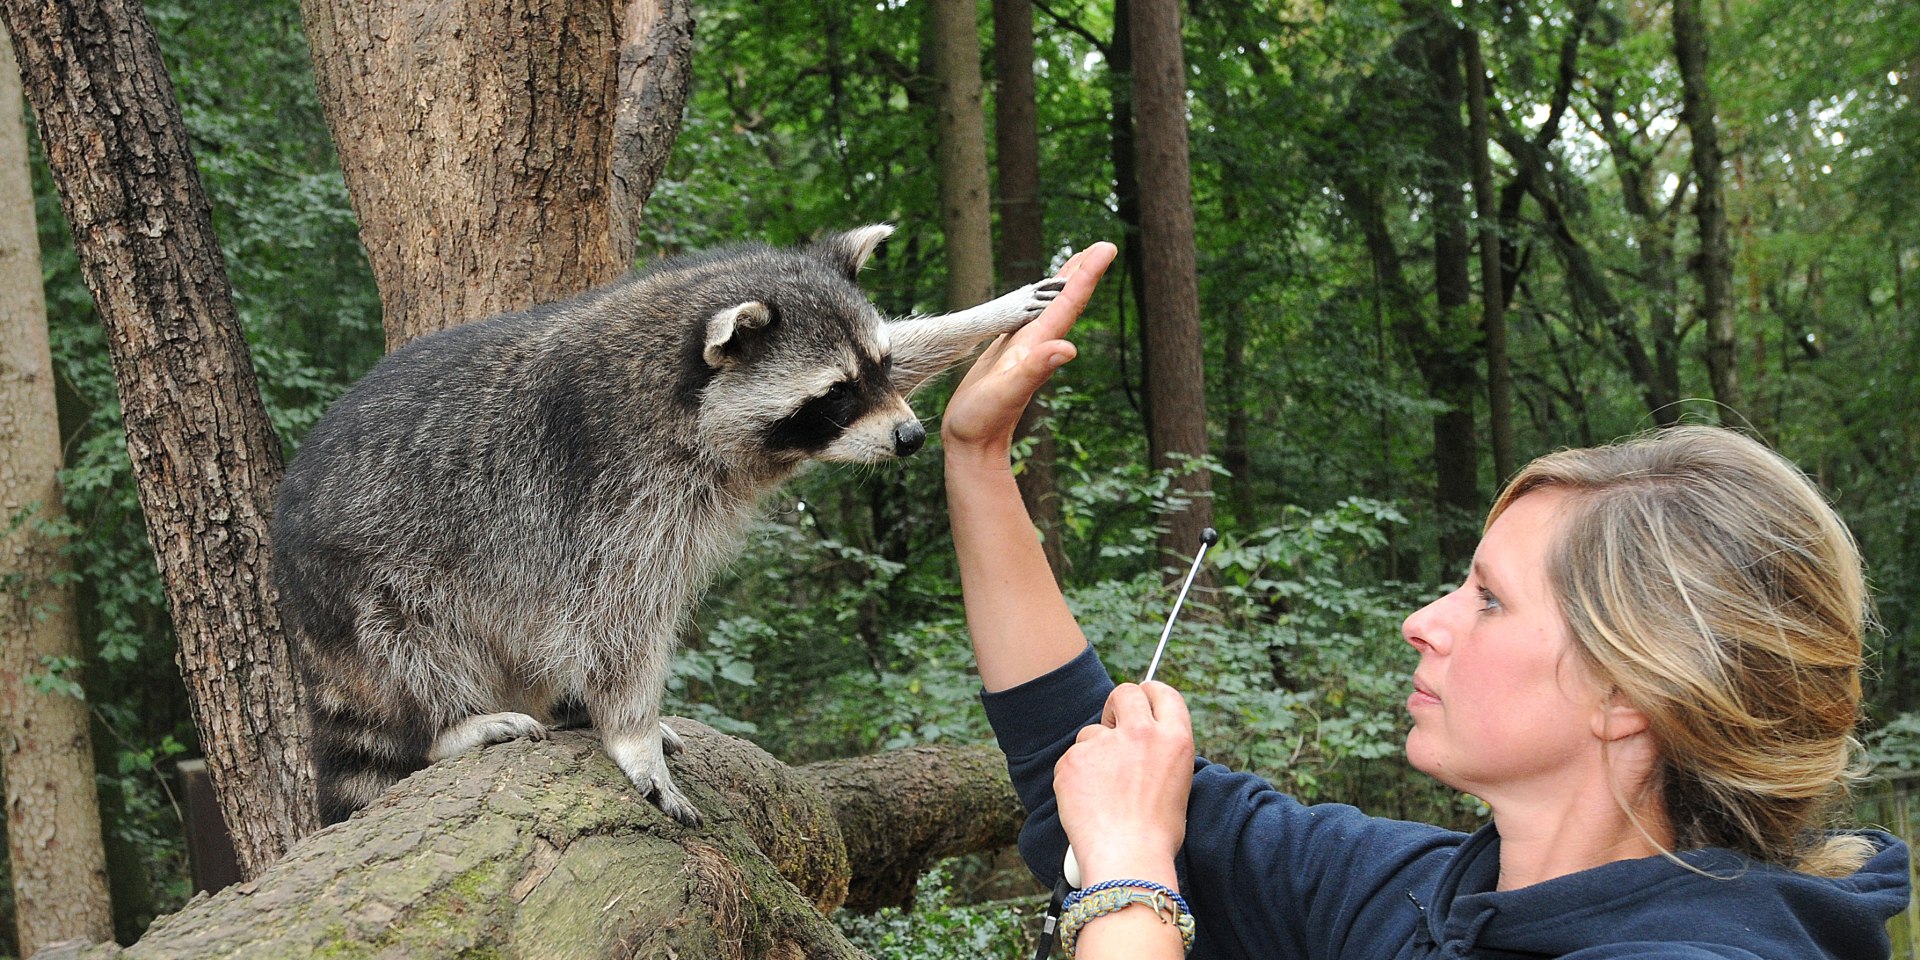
x,y
1269,877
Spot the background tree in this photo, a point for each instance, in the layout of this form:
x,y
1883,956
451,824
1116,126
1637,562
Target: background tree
x,y
1170,319
54,848
206,460
457,122
1023,246
1713,265
1493,301
960,116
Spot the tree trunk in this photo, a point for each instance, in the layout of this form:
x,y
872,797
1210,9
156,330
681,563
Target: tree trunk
x,y
1493,323
542,849
655,69
1126,195
1713,267
1447,359
966,219
1176,381
204,455
477,141
1023,247
53,809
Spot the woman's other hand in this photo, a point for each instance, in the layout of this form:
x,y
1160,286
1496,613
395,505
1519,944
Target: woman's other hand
x,y
1123,786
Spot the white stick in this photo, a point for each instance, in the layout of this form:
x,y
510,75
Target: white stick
x,y
1207,539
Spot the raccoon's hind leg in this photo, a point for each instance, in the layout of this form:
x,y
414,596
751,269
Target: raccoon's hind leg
x,y
484,730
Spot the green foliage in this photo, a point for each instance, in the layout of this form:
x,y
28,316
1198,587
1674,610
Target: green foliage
x,y
941,927
1894,746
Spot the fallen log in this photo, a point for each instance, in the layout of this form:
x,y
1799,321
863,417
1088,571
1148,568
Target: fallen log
x,y
542,849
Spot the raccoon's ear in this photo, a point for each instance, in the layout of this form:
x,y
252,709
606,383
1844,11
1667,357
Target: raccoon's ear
x,y
727,329
850,251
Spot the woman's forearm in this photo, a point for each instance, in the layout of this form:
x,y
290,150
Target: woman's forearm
x,y
1018,619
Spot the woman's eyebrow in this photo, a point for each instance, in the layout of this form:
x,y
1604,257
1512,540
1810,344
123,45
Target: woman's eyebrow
x,y
1479,571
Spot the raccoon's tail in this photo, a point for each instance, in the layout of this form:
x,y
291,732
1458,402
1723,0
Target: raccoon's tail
x,y
357,755
362,743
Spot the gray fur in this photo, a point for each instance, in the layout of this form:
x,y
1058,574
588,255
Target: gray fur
x,y
509,520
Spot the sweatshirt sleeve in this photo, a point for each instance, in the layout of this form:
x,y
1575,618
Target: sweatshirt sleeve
x,y
1035,723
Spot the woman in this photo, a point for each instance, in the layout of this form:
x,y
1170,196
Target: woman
x,y
1650,676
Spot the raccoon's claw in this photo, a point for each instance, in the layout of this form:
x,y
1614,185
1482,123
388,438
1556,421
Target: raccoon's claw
x,y
1042,293
485,730
670,801
642,758
670,742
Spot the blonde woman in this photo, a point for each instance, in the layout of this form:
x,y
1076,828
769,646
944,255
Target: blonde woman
x,y
1650,675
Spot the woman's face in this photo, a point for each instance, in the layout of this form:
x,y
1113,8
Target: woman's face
x,y
1502,706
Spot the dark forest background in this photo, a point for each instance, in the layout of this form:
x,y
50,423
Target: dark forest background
x,y
1343,316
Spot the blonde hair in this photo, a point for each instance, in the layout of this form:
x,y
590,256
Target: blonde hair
x,y
1708,583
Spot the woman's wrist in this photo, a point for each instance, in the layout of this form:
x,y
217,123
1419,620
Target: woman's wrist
x,y
1098,868
976,455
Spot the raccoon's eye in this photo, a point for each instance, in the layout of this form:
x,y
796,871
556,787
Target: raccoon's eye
x,y
839,391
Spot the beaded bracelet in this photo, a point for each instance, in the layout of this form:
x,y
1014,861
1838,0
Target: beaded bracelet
x,y
1092,905
1161,888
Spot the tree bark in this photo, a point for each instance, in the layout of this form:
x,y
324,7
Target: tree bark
x,y
966,219
1023,247
1447,352
654,72
1493,322
1176,382
542,849
1713,266
476,139
1653,233
204,454
59,864
1126,195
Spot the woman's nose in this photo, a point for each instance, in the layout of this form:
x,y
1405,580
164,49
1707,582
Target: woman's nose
x,y
1426,627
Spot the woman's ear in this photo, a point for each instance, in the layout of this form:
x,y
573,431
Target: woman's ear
x,y
1616,719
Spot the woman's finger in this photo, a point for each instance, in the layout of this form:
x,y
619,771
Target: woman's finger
x,y
1127,704
1082,273
1167,704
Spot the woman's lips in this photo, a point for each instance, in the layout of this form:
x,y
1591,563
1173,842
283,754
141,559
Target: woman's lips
x,y
1422,695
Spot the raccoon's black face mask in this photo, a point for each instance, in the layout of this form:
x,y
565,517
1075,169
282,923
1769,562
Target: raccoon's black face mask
x,y
860,419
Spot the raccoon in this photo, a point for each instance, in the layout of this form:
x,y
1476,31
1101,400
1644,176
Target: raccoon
x,y
506,522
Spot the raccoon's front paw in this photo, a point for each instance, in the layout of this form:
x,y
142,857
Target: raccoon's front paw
x,y
642,758
1039,295
484,730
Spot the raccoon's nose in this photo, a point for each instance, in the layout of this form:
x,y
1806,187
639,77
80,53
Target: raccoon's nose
x,y
908,435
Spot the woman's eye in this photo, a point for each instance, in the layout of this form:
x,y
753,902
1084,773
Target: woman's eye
x,y
1487,600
